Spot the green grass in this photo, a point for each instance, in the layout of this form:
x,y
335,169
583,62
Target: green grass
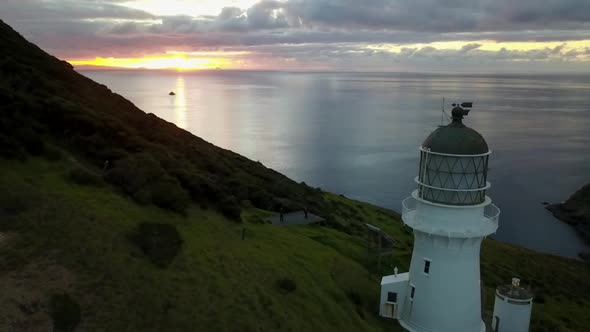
x,y
220,282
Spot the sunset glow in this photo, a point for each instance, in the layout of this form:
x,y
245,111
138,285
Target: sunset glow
x,y
170,61
488,45
308,35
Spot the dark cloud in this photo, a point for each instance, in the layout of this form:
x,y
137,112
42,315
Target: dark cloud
x,y
67,10
268,14
447,16
469,47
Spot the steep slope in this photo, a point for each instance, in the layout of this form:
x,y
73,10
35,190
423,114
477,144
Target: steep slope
x,y
575,211
151,240
144,152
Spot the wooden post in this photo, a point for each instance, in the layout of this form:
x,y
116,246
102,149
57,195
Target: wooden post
x,y
369,239
368,244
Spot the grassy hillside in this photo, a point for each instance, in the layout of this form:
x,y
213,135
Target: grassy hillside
x,y
151,241
66,237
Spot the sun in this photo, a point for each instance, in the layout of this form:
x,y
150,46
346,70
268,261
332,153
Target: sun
x,y
178,62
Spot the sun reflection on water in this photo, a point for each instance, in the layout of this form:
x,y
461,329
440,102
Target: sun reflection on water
x,y
180,104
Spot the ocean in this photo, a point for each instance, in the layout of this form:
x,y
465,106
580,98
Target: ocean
x,y
358,134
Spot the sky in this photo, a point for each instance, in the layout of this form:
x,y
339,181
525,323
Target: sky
x,y
480,36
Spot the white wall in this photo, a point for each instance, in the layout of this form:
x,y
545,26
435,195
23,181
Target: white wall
x,y
448,299
513,317
399,285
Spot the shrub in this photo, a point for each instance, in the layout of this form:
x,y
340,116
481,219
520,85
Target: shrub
x,y
65,312
10,149
354,297
230,208
112,154
84,177
51,153
167,193
90,145
142,196
12,203
194,184
30,141
142,177
201,188
134,172
539,298
287,285
159,242
262,200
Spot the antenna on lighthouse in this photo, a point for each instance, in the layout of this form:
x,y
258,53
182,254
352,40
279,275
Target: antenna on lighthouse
x,y
443,113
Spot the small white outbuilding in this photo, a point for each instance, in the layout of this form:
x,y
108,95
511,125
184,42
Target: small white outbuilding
x,y
393,293
512,308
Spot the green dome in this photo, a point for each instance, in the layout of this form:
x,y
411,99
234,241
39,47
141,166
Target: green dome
x,y
456,138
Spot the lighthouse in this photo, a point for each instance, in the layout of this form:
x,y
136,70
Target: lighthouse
x,y
450,215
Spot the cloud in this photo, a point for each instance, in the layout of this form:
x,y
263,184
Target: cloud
x,y
268,14
449,16
67,10
469,47
333,32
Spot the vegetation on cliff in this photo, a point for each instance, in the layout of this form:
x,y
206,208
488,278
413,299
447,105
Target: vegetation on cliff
x,y
576,212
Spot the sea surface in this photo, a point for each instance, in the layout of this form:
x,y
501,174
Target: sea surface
x,y
358,134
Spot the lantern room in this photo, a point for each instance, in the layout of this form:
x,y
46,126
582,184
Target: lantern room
x,y
454,164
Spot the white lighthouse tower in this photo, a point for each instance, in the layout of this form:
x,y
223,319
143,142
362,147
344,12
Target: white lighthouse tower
x,y
450,215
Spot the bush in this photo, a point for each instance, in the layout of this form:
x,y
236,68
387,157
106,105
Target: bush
x,y
159,242
539,298
134,172
194,184
84,177
10,149
262,200
89,145
30,141
65,313
354,297
51,153
230,208
13,203
142,177
168,194
142,196
287,285
112,154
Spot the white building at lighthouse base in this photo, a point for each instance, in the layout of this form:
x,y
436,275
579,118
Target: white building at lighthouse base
x,y
393,291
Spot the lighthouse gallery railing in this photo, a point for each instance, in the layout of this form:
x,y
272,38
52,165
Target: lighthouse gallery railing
x,y
490,212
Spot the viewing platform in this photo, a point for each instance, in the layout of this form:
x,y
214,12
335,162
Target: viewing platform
x,y
294,218
468,221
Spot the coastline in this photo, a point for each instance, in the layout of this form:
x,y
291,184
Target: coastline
x,y
575,211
